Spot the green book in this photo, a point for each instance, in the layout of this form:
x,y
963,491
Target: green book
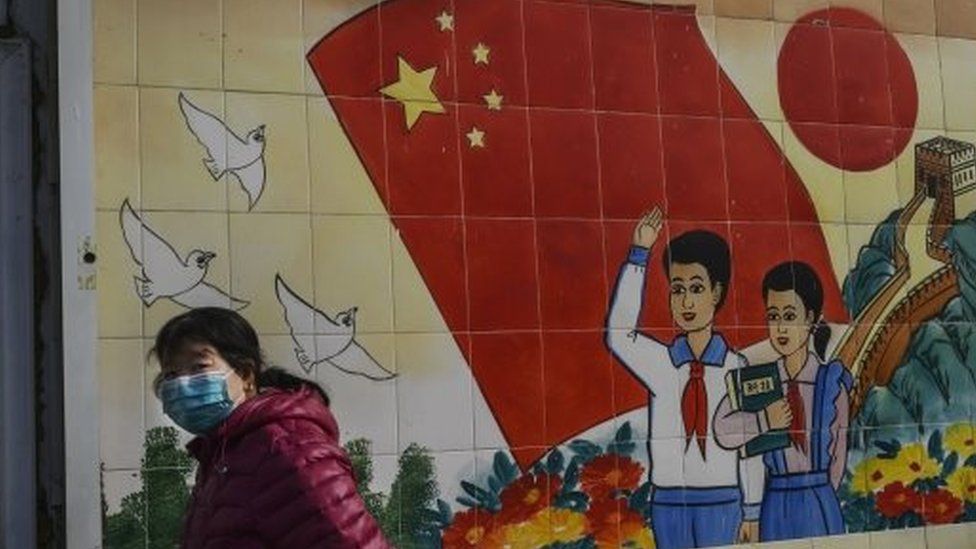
x,y
751,389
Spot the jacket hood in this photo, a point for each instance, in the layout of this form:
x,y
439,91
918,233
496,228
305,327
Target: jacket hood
x,y
269,407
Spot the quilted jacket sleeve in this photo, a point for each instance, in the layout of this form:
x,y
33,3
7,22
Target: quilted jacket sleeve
x,y
313,501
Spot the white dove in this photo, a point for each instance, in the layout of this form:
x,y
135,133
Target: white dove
x,y
164,273
320,339
228,153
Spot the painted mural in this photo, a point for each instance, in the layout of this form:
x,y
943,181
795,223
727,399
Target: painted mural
x,y
575,273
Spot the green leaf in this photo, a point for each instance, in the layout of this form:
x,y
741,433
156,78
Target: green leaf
x,y
475,491
505,471
625,433
571,478
640,500
585,449
467,502
447,516
584,543
494,484
574,501
433,516
888,448
950,464
621,448
935,446
555,463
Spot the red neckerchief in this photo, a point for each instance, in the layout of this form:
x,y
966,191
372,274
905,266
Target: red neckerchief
x,y
694,407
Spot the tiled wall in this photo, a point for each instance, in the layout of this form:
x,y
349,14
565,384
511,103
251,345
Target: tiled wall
x,y
489,305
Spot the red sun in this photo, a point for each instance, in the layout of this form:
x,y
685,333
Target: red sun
x,y
847,89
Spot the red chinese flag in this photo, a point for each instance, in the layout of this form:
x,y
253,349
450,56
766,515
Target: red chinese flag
x,y
515,142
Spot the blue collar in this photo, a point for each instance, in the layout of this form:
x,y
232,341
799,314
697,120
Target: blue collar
x,y
714,355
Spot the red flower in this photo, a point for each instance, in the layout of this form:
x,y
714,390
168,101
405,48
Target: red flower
x,y
606,474
527,496
897,499
614,523
469,529
940,507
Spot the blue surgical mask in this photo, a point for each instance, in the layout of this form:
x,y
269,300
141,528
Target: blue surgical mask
x,y
198,403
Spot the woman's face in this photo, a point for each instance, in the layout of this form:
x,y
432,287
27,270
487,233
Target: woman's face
x,y
788,320
200,358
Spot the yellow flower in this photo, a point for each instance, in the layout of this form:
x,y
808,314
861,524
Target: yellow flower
x,y
527,535
962,483
913,463
563,525
638,539
961,439
872,475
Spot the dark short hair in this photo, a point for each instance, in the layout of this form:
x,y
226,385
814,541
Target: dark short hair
x,y
705,248
233,337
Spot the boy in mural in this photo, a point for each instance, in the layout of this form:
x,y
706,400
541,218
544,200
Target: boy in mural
x,y
800,499
703,494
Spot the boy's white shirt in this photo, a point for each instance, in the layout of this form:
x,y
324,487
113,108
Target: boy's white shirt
x,y
650,361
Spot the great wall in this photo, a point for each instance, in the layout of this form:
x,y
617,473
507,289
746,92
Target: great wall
x,y
924,279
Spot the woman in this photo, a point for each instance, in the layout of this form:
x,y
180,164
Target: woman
x,y
800,497
271,472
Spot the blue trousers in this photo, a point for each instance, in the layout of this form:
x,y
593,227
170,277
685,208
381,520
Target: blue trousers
x,y
695,517
799,506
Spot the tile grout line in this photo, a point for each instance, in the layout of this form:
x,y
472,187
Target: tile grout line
x,y
465,353
535,230
386,200
604,261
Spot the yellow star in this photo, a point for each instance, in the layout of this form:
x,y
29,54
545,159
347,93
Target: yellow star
x,y
446,21
413,90
476,138
494,100
481,53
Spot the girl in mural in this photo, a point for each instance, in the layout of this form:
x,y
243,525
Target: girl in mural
x,y
800,495
271,472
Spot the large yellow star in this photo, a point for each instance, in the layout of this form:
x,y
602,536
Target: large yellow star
x,y
413,90
480,53
494,100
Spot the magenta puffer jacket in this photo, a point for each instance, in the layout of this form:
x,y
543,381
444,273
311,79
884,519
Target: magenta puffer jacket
x,y
274,475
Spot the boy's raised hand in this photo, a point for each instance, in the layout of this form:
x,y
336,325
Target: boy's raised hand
x,y
648,228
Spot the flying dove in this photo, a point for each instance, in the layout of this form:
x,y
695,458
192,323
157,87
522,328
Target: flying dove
x,y
228,153
164,273
319,339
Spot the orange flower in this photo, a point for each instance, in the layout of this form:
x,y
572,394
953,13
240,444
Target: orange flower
x,y
527,496
616,525
940,507
606,474
469,529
